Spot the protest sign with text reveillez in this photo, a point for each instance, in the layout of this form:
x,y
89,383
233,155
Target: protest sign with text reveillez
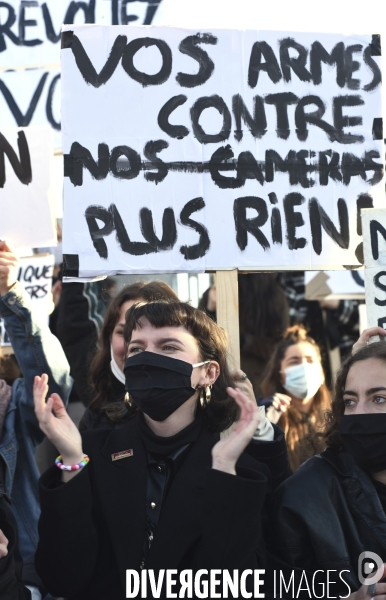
x,y
30,30
30,33
191,150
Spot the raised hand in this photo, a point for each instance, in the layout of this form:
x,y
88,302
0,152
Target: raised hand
x,y
9,264
228,450
366,335
243,384
56,424
280,404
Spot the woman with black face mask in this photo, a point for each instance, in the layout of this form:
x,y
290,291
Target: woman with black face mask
x,y
332,510
161,491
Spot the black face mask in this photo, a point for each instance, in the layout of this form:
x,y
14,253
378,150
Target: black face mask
x,y
158,384
364,437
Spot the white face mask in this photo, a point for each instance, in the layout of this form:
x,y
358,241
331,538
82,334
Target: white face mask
x,y
116,371
304,380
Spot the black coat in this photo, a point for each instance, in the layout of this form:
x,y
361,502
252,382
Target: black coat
x,y
11,587
92,528
324,517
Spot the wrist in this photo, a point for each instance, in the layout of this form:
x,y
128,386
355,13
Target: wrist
x,y
72,459
4,289
224,466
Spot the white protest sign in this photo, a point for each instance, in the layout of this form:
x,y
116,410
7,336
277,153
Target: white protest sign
x,y
35,275
210,150
374,245
30,31
27,212
344,16
335,284
31,97
30,34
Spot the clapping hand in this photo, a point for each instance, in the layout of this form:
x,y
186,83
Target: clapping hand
x,y
227,451
55,422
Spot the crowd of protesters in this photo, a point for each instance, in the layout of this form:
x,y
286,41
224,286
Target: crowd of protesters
x,y
166,459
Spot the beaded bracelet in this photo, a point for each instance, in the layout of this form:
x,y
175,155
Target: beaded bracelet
x,y
58,461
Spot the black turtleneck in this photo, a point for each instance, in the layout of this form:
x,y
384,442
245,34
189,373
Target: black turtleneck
x,y
157,444
164,457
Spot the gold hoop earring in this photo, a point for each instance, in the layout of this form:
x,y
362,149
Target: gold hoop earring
x,y
128,401
208,393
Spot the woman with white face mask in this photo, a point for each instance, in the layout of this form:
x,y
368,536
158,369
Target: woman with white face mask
x,y
298,395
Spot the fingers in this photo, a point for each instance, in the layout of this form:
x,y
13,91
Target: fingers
x,y
241,399
238,375
7,254
40,389
366,335
249,411
6,246
8,268
370,332
281,402
58,406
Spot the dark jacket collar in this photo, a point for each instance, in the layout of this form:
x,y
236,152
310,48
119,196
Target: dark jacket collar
x,y
179,526
179,522
361,495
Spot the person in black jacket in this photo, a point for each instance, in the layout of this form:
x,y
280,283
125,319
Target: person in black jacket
x,y
333,509
161,491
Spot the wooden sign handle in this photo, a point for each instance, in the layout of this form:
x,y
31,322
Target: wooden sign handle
x,y
227,300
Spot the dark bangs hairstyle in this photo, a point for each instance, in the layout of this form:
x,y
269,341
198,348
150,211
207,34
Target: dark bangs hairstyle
x,y
292,422
101,377
221,411
330,435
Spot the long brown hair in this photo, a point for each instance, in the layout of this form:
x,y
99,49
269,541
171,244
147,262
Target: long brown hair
x,y
263,313
330,436
212,342
296,428
101,377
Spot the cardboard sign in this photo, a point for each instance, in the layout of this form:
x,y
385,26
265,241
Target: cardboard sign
x,y
30,32
27,213
193,151
35,275
374,245
337,285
